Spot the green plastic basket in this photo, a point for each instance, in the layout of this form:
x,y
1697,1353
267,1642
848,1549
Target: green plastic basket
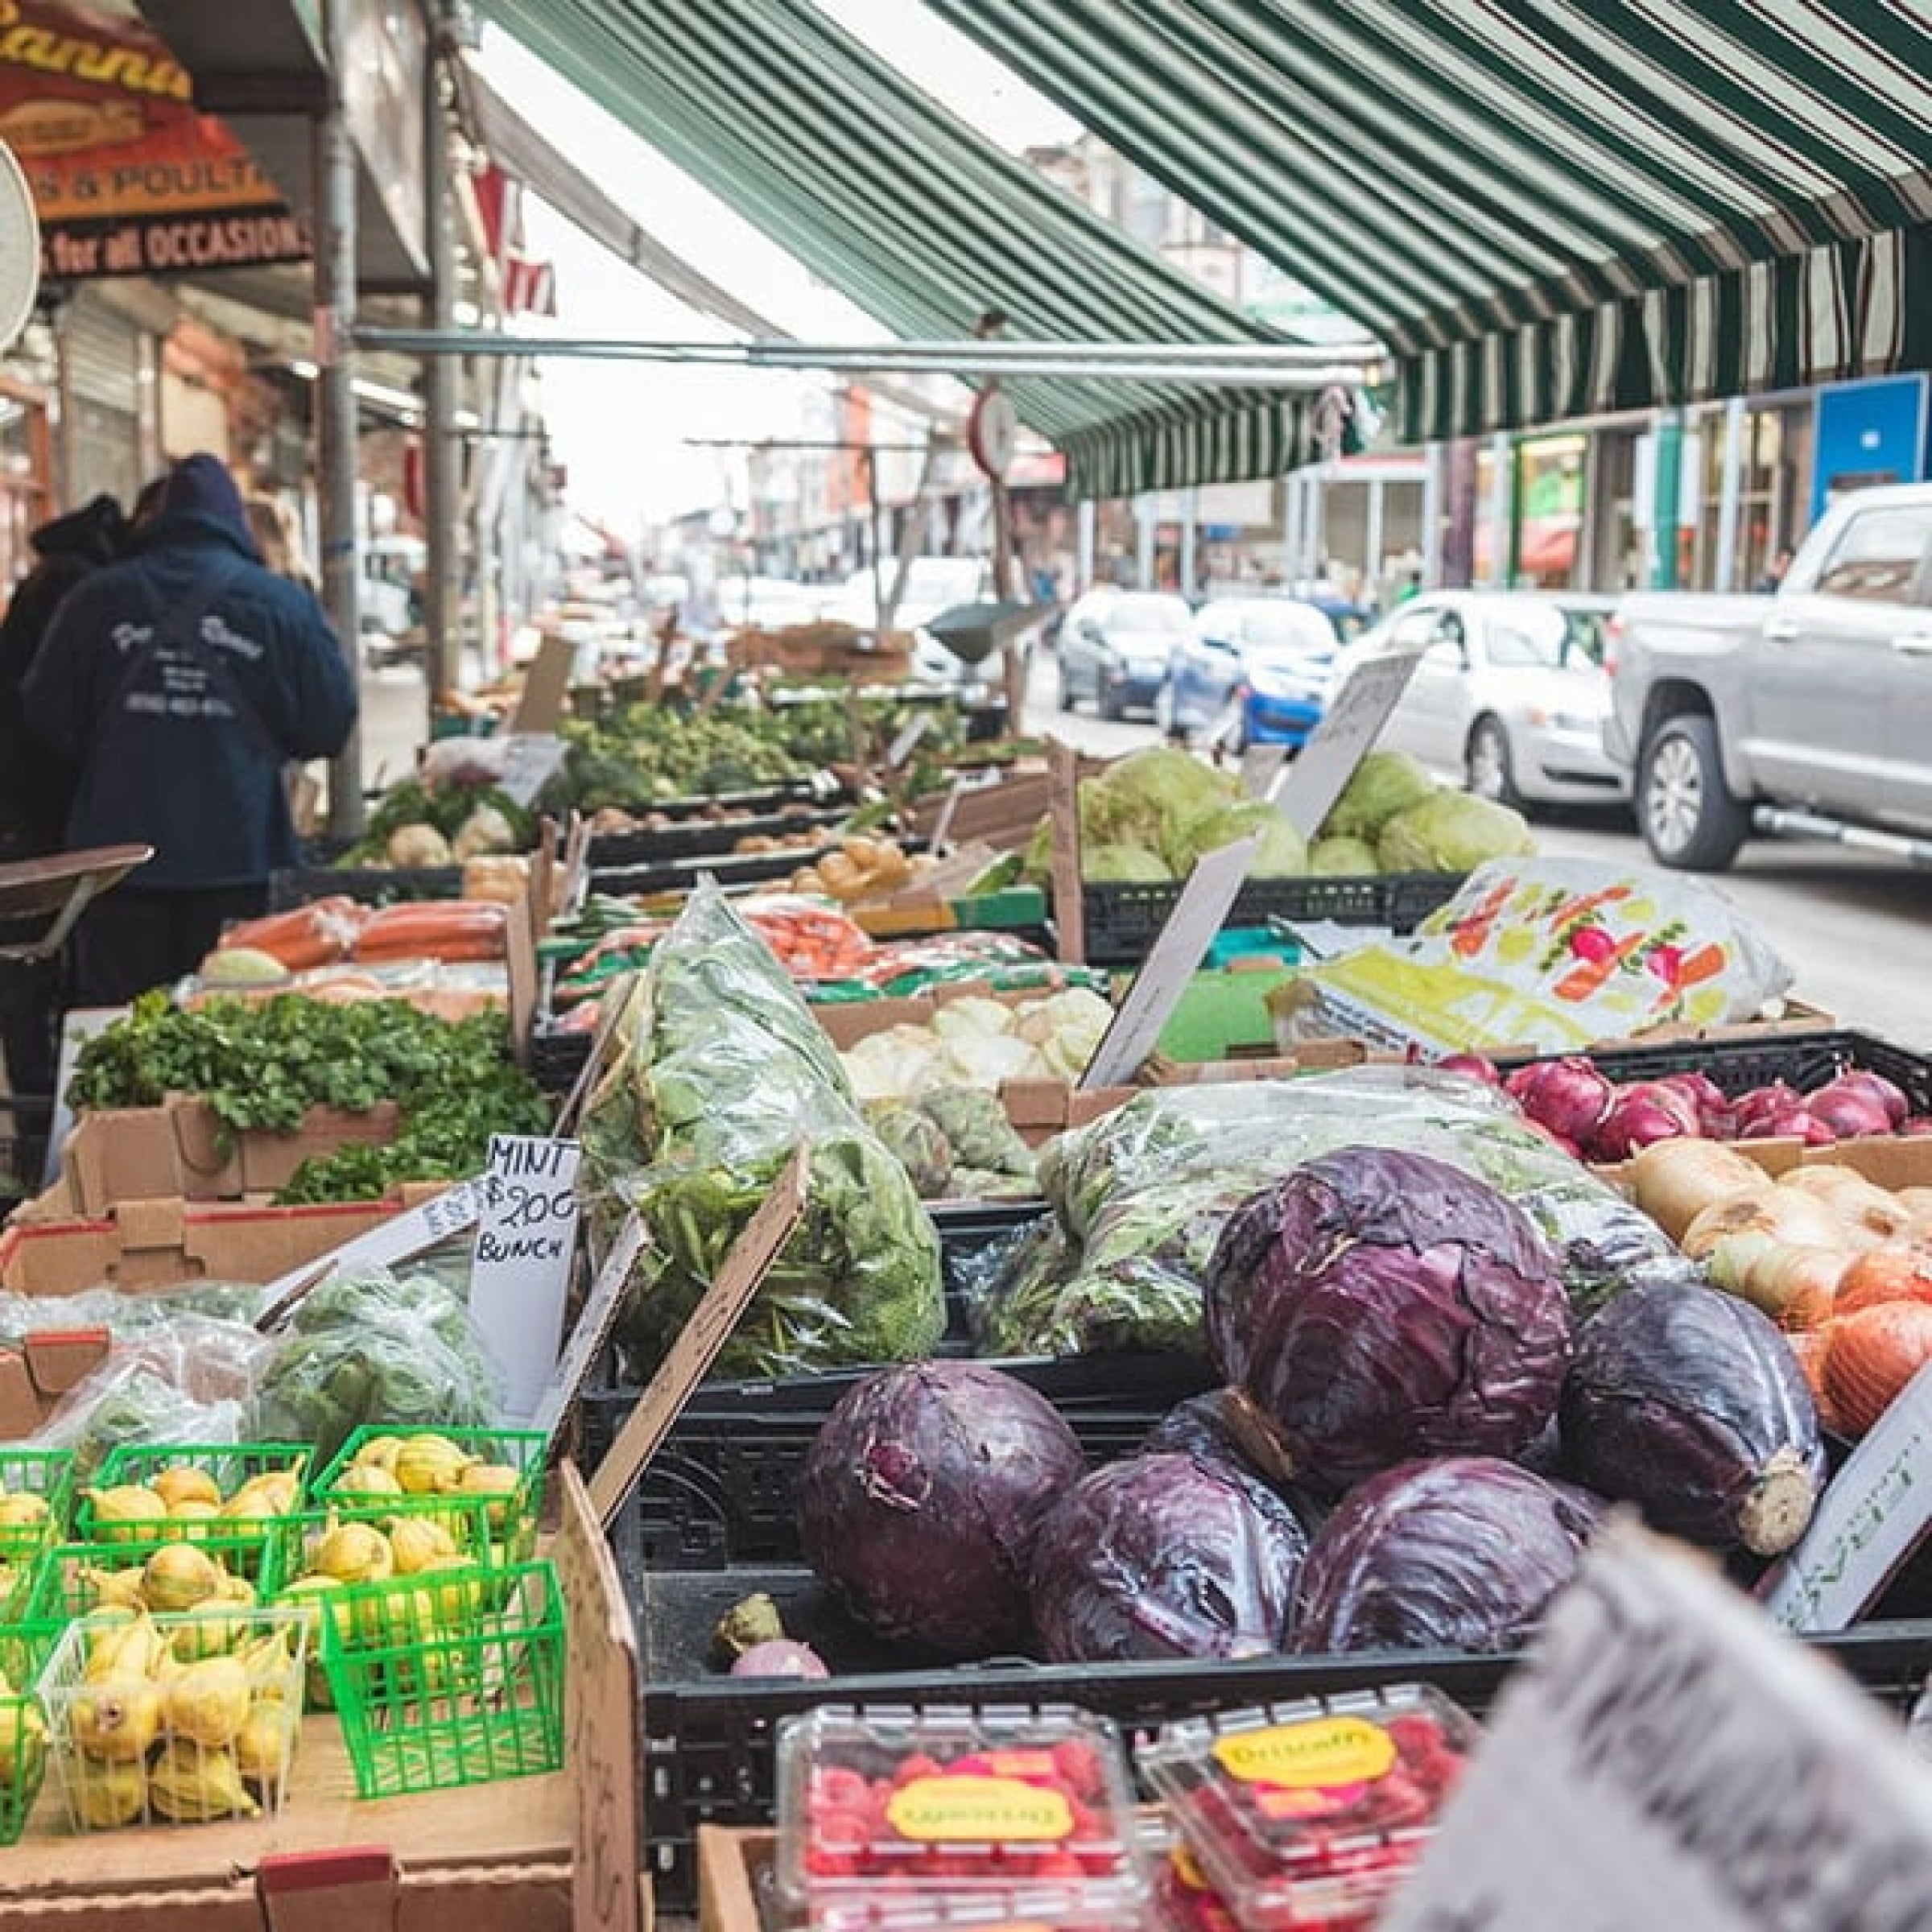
x,y
23,1755
427,1703
228,1465
500,1527
64,1585
48,1474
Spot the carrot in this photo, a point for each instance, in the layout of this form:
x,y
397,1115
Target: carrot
x,y
316,935
450,929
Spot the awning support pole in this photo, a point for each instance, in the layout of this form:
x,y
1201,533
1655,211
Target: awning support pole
x,y
441,584
1731,497
1432,517
1088,514
334,404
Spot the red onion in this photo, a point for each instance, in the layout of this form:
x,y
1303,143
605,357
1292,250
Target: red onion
x,y
1916,1125
1793,1123
780,1657
1713,1110
1569,1096
1851,1113
1872,1086
1761,1103
1642,1113
1472,1064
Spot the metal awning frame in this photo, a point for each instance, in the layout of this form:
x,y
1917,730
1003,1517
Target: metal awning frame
x,y
1296,366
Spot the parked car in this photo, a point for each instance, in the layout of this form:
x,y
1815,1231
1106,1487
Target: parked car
x,y
1255,670
1510,695
1816,699
1114,647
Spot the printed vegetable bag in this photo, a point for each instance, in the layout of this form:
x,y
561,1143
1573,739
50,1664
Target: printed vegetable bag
x,y
1551,954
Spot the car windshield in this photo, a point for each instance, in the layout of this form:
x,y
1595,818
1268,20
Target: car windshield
x,y
1150,613
1533,635
1288,627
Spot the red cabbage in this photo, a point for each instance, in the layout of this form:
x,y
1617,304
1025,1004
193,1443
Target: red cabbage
x,y
919,1498
1690,1404
1461,1553
1378,1305
1163,1556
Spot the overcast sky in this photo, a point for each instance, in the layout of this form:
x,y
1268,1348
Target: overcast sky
x,y
621,428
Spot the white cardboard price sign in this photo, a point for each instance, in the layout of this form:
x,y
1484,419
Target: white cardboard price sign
x,y
1666,1759
519,1277
530,758
451,1211
1172,961
1352,722
1877,1511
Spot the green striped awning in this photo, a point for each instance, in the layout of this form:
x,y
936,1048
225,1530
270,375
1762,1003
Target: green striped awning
x,y
1544,208
919,220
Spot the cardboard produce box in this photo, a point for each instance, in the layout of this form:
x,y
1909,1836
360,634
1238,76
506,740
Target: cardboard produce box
x,y
180,1149
49,1248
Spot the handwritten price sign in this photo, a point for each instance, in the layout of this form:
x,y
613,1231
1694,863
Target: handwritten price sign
x,y
526,1234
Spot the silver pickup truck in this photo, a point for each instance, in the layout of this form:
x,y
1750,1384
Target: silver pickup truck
x,y
1809,711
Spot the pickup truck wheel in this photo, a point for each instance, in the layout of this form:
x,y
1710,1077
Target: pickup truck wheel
x,y
1689,819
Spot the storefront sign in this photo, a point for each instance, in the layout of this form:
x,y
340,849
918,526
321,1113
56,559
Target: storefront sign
x,y
127,178
1667,1759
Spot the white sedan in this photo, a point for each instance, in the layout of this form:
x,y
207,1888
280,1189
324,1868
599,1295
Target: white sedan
x,y
1510,694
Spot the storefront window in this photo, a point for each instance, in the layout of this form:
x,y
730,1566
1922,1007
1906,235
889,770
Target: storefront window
x,y
1547,513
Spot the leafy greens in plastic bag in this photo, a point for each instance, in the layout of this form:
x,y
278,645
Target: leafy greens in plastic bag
x,y
1140,1197
373,1346
721,1069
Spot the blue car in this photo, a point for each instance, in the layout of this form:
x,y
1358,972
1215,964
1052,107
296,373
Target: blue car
x,y
1255,670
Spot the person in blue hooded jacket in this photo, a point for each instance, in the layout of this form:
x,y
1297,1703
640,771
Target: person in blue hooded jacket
x,y
181,683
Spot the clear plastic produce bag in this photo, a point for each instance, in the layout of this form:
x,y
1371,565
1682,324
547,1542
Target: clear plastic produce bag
x,y
1140,1197
373,1346
720,1071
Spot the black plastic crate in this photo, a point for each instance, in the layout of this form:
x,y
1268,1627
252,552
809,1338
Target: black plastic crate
x,y
722,1489
699,835
708,1739
368,885
1123,919
1803,1060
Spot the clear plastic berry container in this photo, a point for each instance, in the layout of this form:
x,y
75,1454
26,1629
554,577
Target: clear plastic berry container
x,y
896,1818
1309,1813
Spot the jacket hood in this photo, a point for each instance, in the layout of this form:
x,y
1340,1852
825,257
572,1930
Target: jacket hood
x,y
199,499
97,531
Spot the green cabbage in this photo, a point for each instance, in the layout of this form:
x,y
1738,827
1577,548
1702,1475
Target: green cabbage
x,y
1385,783
1282,853
1453,832
1341,857
1116,864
